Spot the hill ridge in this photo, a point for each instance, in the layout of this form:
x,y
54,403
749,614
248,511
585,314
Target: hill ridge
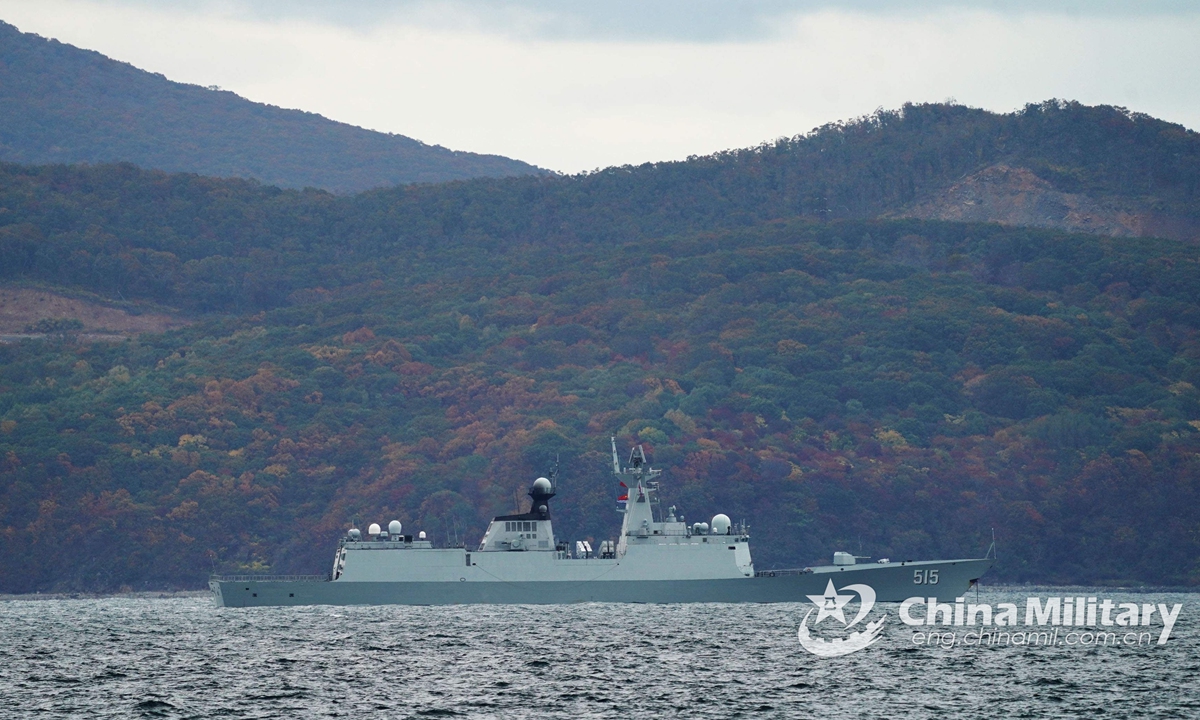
x,y
65,104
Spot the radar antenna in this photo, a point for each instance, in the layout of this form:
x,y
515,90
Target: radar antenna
x,y
554,474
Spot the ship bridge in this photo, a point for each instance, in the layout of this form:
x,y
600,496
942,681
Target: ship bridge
x,y
524,531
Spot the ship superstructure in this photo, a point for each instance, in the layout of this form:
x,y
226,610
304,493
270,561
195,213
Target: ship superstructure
x,y
657,557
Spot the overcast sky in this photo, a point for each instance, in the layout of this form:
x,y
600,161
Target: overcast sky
x,y
574,86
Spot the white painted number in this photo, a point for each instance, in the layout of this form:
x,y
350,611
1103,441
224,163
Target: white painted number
x,y
925,577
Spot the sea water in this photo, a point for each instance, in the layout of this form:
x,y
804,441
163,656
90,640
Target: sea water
x,y
185,658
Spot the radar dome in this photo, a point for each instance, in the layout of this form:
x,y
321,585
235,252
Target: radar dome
x,y
703,528
394,527
542,486
721,524
374,529
354,534
421,535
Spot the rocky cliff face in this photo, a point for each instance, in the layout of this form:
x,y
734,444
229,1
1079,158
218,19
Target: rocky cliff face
x,y
1016,196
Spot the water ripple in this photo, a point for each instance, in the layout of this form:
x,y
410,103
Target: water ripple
x,y
183,658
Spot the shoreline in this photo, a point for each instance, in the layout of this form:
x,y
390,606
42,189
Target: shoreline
x,y
138,595
983,589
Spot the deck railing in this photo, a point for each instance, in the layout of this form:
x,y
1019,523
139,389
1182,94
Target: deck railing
x,y
269,578
773,573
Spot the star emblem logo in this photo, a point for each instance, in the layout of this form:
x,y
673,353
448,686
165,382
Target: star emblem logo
x,y
830,604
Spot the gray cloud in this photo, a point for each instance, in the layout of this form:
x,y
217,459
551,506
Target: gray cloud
x,y
636,20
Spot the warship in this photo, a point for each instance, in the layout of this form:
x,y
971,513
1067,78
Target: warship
x,y
656,558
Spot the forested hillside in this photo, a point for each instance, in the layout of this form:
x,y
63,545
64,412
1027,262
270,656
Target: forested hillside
x,y
892,387
215,245
63,104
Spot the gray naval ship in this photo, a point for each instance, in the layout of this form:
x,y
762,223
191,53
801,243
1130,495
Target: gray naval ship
x,y
657,558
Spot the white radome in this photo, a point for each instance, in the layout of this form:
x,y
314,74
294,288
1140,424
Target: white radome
x,y
542,486
394,527
373,529
721,524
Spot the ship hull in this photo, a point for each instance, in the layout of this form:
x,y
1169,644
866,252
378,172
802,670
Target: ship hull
x,y
892,583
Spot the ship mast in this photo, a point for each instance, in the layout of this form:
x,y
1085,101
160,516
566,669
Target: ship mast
x,y
642,493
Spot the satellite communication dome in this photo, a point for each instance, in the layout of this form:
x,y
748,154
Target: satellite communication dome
x,y
421,535
354,534
542,486
703,528
721,524
374,529
394,527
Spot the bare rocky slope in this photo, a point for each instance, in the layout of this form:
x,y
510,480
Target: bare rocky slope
x,y
24,310
1017,196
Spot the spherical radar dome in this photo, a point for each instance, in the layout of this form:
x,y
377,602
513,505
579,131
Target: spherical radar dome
x,y
542,486
394,527
720,524
373,529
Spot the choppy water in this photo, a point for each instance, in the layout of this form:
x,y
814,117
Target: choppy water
x,y
184,658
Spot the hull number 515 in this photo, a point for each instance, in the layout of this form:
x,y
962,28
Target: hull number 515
x,y
925,577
